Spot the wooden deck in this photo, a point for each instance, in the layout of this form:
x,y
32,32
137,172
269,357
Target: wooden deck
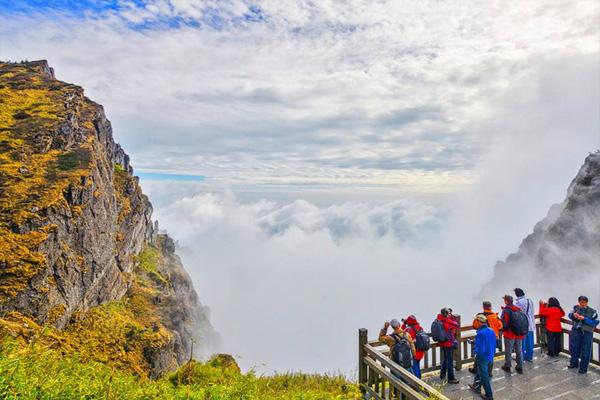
x,y
544,378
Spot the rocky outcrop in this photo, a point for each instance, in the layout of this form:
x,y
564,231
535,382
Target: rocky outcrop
x,y
73,218
562,255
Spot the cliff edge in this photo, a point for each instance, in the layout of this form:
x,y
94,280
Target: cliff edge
x,y
77,238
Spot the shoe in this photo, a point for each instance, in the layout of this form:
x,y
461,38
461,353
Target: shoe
x,y
484,397
472,370
572,366
519,370
454,381
475,388
529,360
505,368
442,377
582,372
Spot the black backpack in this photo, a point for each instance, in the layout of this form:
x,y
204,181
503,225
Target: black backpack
x,y
518,322
422,340
401,352
438,333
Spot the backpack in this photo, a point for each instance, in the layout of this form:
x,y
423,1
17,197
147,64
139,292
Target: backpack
x,y
518,323
422,340
401,352
438,333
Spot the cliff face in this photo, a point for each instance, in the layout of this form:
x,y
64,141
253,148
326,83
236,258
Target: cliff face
x,y
74,221
562,255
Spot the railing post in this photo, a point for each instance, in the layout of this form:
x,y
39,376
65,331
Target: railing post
x,y
362,366
457,351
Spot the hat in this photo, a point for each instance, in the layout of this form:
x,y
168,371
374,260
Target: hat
x,y
487,304
481,318
395,323
519,292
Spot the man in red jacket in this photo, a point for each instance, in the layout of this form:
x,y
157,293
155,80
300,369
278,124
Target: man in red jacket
x,y
447,347
512,341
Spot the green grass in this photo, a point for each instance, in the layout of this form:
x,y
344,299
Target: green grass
x,y
36,372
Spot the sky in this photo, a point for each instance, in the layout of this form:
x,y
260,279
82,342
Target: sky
x,y
297,149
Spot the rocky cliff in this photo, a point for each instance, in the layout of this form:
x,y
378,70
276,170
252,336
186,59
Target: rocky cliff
x,y
562,256
76,230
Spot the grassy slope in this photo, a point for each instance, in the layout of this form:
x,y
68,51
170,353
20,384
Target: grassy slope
x,y
36,372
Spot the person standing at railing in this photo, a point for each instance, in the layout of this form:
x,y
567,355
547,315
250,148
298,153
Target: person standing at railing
x,y
494,323
414,329
402,348
485,348
515,328
527,307
553,312
585,319
449,326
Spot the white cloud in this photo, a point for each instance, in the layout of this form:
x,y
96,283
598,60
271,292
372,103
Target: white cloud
x,y
306,92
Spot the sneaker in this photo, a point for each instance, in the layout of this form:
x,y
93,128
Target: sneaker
x,y
475,388
454,381
519,370
572,366
582,371
505,368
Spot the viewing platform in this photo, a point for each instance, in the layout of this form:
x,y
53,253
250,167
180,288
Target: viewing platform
x,y
544,378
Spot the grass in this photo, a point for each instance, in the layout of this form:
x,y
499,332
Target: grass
x,y
37,372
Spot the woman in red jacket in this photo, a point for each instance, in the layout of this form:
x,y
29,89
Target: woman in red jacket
x,y
553,313
412,326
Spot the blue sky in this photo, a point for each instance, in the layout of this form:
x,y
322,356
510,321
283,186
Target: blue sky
x,y
394,95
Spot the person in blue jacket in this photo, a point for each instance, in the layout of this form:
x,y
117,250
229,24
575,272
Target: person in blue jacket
x,y
585,319
485,347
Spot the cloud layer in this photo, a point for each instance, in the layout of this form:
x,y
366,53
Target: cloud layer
x,y
357,93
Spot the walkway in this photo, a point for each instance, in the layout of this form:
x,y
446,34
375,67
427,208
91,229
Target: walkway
x,y
546,378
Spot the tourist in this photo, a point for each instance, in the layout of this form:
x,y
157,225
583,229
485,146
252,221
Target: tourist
x,y
402,348
449,325
413,328
584,320
527,307
553,312
485,348
515,328
494,323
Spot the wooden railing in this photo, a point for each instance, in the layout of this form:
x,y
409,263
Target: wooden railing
x,y
381,378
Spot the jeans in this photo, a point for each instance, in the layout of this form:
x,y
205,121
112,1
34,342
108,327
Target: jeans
x,y
554,343
416,368
528,346
509,345
580,346
482,376
447,363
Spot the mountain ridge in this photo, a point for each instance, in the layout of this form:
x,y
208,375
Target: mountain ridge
x,y
76,227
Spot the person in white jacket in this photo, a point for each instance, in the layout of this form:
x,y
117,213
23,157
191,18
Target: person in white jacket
x,y
526,305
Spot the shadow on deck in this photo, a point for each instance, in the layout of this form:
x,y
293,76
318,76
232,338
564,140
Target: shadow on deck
x,y
544,378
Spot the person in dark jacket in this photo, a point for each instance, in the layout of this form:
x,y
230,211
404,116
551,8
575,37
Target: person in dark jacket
x,y
447,347
412,326
485,348
511,340
585,319
552,312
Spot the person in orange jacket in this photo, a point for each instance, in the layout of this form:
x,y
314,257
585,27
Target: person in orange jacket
x,y
553,313
494,323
